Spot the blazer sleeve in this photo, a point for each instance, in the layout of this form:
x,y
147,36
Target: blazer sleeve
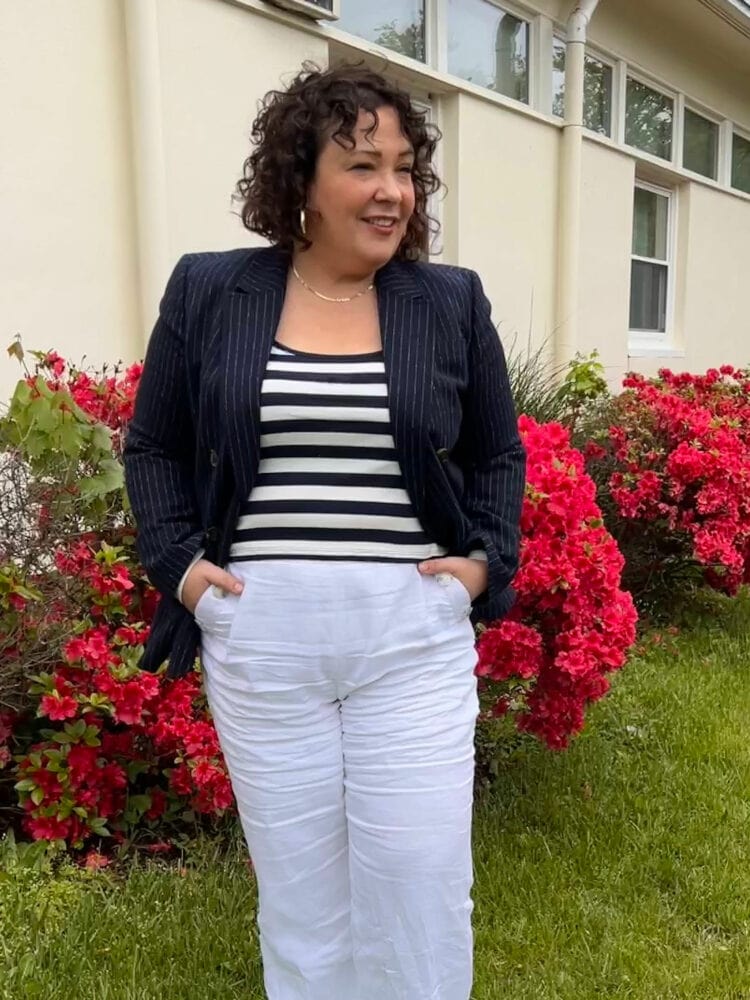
x,y
493,459
159,450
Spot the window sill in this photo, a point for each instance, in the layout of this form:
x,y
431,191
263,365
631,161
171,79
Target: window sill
x,y
655,351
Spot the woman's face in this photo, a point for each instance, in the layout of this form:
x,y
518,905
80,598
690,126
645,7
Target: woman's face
x,y
361,198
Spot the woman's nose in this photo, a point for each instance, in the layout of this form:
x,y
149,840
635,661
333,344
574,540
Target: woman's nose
x,y
389,189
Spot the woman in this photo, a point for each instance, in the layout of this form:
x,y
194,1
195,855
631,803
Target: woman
x,y
325,470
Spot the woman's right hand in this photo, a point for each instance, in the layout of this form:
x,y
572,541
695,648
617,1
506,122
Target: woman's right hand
x,y
203,575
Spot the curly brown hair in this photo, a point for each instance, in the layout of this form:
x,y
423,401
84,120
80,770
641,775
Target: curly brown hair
x,y
290,130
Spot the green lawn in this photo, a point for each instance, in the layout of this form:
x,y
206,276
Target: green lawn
x,y
620,868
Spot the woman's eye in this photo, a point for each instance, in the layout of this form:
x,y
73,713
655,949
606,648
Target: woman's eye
x,y
362,166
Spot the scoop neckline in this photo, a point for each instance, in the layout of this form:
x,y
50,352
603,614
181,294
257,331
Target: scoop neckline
x,y
369,356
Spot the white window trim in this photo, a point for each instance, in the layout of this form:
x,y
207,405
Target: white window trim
x,y
674,96
726,130
435,201
743,134
436,34
657,340
614,110
533,62
554,36
689,105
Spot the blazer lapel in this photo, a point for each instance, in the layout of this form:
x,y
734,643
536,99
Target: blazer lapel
x,y
407,327
251,313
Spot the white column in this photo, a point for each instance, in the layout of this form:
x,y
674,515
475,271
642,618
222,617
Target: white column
x,y
144,79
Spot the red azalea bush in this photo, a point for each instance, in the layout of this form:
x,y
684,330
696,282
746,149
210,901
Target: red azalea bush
x,y
572,622
674,472
90,745
100,748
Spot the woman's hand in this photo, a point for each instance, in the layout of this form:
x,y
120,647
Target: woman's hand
x,y
471,572
203,575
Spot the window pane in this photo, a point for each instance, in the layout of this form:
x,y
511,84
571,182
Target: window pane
x,y
700,145
488,47
648,296
394,24
597,96
741,163
558,77
648,119
650,220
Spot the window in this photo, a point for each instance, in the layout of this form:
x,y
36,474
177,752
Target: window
x,y
648,119
740,163
489,47
597,95
597,89
558,77
650,263
700,145
394,24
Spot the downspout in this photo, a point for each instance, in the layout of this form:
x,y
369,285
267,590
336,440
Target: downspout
x,y
569,186
144,80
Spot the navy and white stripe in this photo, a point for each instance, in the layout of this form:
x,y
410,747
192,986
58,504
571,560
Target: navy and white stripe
x,y
329,483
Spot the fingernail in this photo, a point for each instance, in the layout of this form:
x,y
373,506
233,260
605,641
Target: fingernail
x,y
237,588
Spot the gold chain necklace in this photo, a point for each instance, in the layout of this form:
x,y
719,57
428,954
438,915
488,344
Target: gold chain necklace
x,y
330,298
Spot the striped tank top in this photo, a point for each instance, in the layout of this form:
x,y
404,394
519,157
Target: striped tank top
x,y
329,484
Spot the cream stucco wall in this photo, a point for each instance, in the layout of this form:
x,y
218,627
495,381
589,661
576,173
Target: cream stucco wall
x,y
67,262
605,244
217,61
500,212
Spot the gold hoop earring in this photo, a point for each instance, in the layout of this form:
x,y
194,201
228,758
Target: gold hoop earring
x,y
303,222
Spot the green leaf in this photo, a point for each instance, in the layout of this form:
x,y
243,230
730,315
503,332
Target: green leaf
x,y
71,438
110,478
101,438
76,729
37,795
140,802
15,350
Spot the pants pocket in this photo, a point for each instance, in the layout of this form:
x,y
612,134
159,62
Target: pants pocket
x,y
215,610
453,596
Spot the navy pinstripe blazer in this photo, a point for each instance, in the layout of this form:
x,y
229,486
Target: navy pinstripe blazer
x,y
193,446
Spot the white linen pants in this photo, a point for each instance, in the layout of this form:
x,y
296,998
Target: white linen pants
x,y
345,701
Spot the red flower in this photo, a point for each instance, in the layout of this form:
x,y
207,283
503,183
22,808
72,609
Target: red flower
x,y
58,707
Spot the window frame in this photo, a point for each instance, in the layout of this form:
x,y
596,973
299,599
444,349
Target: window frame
x,y
594,53
530,18
673,95
432,16
431,104
745,135
556,36
638,338
698,109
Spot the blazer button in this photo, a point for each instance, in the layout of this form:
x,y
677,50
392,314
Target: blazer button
x,y
443,454
212,534
213,458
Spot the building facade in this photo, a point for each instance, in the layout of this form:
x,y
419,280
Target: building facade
x,y
596,158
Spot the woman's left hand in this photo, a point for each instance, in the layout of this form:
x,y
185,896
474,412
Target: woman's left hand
x,y
471,572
